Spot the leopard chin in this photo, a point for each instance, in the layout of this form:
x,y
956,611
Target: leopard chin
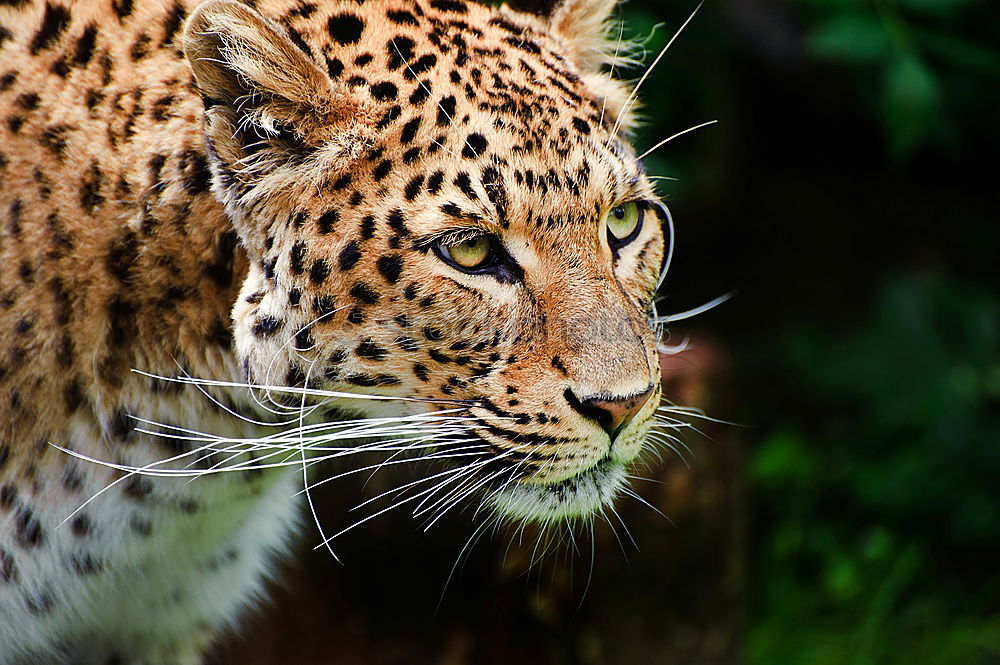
x,y
575,498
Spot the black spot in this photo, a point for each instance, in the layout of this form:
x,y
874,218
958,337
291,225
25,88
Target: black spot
x,y
410,130
54,22
558,364
397,222
266,326
364,293
400,50
8,569
123,8
411,155
324,306
296,257
368,227
349,256
434,182
294,296
413,187
54,138
372,351
446,111
334,68
28,101
327,220
140,49
382,170
402,17
390,266
420,371
303,340
81,526
581,125
419,94
345,28
423,64
449,6
8,496
342,182
320,271
384,91
84,563
390,116
7,80
174,21
464,183
475,145
29,529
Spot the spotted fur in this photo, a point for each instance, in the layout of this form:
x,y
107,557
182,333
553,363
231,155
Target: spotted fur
x,y
254,193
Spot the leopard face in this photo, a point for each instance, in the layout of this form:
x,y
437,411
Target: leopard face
x,y
438,203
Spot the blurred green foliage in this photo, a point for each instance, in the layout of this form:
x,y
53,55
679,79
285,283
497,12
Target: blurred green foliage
x,y
849,193
884,511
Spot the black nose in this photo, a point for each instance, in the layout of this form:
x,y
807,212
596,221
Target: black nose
x,y
612,412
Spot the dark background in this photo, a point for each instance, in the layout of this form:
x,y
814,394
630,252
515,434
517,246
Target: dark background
x,y
848,194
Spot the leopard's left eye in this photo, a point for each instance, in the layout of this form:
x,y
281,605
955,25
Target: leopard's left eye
x,y
624,222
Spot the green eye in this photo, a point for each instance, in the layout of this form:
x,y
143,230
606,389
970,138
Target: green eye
x,y
623,223
469,254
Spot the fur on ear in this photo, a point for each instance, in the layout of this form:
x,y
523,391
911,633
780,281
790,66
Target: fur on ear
x,y
273,118
587,28
586,24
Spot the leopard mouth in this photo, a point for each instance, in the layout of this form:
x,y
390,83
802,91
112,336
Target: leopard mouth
x,y
577,497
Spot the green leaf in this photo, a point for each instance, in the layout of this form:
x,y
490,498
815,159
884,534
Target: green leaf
x,y
909,101
849,37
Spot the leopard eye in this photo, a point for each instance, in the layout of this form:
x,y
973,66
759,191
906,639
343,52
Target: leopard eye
x,y
624,222
468,255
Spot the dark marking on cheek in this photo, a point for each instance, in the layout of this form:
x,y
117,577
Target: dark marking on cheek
x,y
323,306
266,326
296,258
369,350
327,220
364,293
349,255
390,266
319,271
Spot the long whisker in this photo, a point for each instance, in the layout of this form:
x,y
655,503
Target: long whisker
x,y
671,138
631,98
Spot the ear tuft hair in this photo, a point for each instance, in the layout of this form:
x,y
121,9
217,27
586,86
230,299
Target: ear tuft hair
x,y
275,122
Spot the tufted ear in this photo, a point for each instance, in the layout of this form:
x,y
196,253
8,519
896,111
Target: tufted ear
x,y
584,23
273,118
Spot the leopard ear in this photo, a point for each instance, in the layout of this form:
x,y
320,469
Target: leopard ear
x,y
586,26
273,118
584,23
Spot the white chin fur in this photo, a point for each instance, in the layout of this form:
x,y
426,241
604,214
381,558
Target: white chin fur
x,y
577,497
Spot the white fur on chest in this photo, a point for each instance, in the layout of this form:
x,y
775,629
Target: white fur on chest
x,y
150,569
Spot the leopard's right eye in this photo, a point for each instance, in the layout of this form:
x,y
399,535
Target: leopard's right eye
x,y
472,255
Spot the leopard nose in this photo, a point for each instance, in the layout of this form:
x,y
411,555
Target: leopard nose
x,y
612,412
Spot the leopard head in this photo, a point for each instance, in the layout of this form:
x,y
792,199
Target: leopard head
x,y
439,202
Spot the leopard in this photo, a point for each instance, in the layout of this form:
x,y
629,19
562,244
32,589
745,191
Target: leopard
x,y
238,237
